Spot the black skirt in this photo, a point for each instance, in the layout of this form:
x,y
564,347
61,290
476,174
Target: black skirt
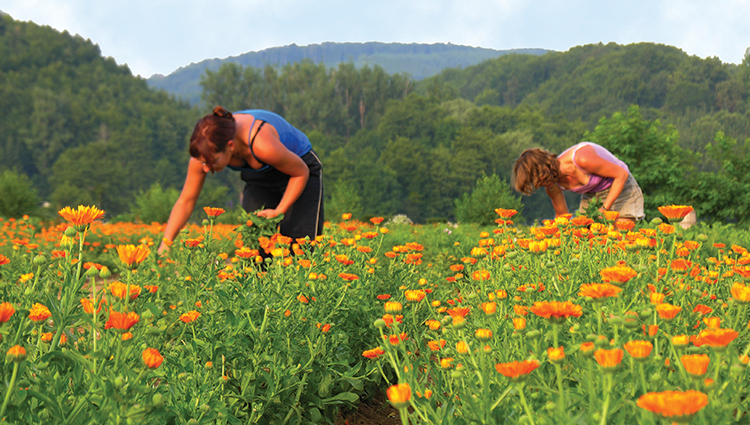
x,y
265,188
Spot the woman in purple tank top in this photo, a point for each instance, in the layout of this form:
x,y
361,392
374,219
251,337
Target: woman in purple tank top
x,y
586,168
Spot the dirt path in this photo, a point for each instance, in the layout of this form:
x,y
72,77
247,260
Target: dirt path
x,y
375,412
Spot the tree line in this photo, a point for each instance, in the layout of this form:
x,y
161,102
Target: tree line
x,y
84,130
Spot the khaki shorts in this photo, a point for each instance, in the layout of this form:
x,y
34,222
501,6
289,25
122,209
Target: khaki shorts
x,y
629,204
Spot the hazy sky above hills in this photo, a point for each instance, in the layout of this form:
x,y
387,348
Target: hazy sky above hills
x,y
159,36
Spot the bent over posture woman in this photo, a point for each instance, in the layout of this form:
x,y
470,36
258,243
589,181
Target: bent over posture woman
x,y
586,168
281,171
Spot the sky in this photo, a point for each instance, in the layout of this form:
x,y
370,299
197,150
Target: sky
x,y
159,36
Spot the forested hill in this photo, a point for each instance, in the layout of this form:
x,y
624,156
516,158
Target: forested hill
x,y
86,131
417,60
83,129
698,96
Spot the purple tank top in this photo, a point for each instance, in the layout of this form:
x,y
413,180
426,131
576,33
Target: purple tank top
x,y
596,183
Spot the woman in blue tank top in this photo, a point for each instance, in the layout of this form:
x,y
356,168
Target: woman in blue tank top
x,y
281,171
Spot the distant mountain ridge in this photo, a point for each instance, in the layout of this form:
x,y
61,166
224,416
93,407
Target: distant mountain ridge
x,y
418,60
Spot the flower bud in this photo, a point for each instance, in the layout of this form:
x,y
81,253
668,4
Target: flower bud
x,y
616,321
157,400
657,221
92,272
534,334
380,324
16,354
40,260
70,232
104,273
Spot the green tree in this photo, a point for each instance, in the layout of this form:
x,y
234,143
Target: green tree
x,y
19,197
724,194
662,168
155,204
344,199
490,193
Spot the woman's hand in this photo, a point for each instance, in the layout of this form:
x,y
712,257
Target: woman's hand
x,y
268,213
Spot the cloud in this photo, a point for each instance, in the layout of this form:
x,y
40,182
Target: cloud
x,y
161,35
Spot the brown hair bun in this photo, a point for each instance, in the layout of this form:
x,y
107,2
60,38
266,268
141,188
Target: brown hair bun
x,y
221,112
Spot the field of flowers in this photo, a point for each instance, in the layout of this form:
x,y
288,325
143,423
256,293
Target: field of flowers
x,y
579,320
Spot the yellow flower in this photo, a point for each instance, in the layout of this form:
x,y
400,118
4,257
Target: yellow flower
x,y
133,255
81,217
399,395
556,355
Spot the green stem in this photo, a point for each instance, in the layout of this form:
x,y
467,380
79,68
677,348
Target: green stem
x,y
11,387
643,377
605,409
525,405
558,371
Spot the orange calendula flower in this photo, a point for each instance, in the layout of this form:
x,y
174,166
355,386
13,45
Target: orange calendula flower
x,y
675,212
483,335
213,212
656,298
122,321
489,308
680,265
740,293
88,306
133,255
618,274
716,338
556,355
609,360
413,295
696,364
152,358
82,216
665,228
556,311
680,341
517,371
480,275
599,291
348,276
4,260
519,323
39,313
674,405
587,348
190,316
373,353
119,290
436,345
384,297
393,307
668,311
611,215
399,395
16,354
6,311
505,214
376,220
639,350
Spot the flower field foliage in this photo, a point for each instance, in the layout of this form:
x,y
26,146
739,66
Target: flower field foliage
x,y
579,320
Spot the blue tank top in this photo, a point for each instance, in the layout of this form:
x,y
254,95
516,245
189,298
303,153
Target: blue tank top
x,y
292,138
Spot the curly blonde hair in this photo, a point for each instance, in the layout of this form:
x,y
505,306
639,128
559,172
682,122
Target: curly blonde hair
x,y
535,168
